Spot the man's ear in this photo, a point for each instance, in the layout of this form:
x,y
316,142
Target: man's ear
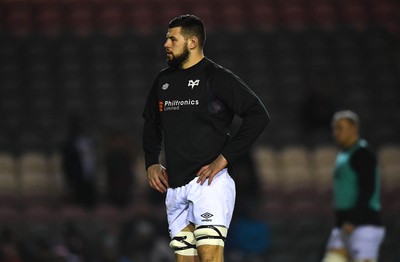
x,y
193,42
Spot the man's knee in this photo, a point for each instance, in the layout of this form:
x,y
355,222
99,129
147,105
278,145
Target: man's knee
x,y
209,253
210,241
184,244
335,256
207,240
210,235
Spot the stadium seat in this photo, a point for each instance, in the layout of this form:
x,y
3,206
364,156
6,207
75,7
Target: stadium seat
x,y
390,167
72,92
378,39
264,16
385,13
9,70
323,14
139,17
354,13
345,39
322,164
107,214
29,137
38,214
295,170
267,168
317,55
36,184
55,172
294,15
11,104
202,10
78,17
9,50
10,216
169,12
48,17
9,192
17,16
232,17
273,206
303,202
314,40
6,139
70,213
109,17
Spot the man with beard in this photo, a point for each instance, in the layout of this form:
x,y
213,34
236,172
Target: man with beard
x,y
191,107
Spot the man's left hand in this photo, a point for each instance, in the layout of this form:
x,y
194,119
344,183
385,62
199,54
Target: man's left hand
x,y
209,171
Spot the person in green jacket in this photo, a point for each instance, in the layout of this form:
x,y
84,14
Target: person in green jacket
x,y
358,231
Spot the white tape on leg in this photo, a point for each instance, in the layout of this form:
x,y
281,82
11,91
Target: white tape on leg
x,y
210,235
184,244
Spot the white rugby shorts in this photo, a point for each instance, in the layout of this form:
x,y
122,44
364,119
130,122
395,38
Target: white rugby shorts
x,y
362,244
201,204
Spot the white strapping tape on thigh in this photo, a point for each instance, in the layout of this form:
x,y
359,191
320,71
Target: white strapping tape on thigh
x,y
184,244
332,256
210,235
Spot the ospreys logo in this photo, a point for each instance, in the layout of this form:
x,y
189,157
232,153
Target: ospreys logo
x,y
192,83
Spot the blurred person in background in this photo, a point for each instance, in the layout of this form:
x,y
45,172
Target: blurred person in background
x,y
358,232
191,107
119,161
78,164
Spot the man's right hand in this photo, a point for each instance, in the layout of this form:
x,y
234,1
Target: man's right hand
x,y
158,178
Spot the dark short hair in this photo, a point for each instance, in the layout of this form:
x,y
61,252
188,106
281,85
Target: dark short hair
x,y
191,26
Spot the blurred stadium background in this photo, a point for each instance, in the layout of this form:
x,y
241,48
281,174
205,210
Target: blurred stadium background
x,y
98,58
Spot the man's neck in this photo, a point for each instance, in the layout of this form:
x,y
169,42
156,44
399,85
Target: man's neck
x,y
193,60
351,143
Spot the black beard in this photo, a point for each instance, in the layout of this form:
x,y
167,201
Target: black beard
x,y
177,61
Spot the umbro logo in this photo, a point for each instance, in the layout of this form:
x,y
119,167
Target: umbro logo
x,y
165,86
206,216
192,83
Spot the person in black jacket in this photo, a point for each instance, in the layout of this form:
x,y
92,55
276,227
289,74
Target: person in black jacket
x,y
79,164
190,108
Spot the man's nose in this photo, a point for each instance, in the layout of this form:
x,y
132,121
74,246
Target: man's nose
x,y
166,44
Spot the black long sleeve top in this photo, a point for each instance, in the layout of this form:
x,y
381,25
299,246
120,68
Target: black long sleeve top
x,y
192,111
